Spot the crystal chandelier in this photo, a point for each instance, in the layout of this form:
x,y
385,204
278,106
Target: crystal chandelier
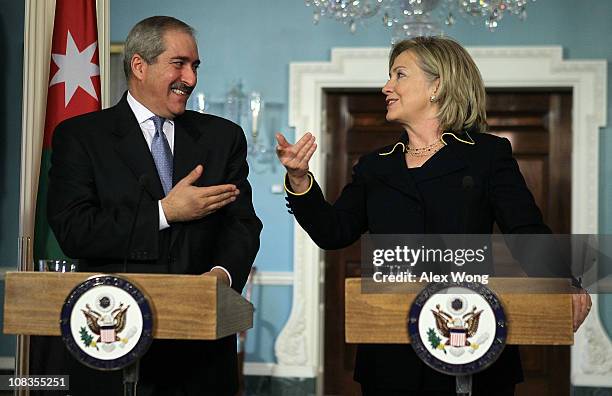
x,y
257,117
247,110
410,18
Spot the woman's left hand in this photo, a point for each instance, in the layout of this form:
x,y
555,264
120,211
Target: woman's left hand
x,y
581,305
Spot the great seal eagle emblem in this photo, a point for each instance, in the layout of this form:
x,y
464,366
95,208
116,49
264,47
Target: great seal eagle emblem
x,y
106,322
457,328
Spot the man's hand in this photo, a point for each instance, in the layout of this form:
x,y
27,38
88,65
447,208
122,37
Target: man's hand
x,y
220,274
187,202
581,305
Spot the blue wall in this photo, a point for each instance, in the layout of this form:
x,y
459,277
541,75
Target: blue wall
x,y
256,41
11,48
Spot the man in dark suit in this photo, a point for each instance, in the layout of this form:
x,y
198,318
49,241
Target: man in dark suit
x,y
196,214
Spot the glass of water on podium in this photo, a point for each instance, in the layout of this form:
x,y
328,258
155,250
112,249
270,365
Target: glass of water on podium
x,y
57,265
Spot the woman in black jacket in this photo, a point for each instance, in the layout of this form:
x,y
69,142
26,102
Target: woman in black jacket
x,y
417,186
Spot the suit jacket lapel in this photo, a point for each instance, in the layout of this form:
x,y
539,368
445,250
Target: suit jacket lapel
x,y
391,169
444,162
132,147
393,173
190,149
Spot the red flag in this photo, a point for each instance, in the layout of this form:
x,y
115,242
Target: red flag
x,y
74,88
74,77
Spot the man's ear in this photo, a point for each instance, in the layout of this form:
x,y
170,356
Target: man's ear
x,y
139,67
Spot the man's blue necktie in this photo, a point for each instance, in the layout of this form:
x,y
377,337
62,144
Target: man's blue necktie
x,y
162,155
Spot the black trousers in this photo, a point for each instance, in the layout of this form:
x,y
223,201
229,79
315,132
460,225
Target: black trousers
x,y
181,374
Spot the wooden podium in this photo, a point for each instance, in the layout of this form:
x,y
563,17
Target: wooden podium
x,y
185,307
538,311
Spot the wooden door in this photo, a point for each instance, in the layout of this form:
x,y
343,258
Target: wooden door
x,y
355,125
539,126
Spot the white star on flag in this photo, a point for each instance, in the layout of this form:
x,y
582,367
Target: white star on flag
x,y
75,69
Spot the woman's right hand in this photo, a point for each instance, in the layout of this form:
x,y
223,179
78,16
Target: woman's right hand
x,y
294,158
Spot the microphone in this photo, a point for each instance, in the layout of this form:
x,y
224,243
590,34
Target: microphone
x,y
142,183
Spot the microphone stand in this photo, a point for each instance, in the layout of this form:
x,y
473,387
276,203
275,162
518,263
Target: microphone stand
x,y
130,378
463,385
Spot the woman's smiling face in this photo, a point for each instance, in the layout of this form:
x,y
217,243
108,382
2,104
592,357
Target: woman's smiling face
x,y
408,92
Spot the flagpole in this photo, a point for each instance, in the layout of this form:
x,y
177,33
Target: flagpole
x,y
38,27
22,353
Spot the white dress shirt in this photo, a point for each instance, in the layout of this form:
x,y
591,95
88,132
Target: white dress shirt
x,y
143,116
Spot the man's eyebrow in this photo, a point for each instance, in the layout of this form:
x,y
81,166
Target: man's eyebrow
x,y
185,59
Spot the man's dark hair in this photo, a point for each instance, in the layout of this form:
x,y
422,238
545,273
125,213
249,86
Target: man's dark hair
x,y
147,39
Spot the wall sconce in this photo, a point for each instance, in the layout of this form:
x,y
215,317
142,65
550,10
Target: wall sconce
x,y
258,119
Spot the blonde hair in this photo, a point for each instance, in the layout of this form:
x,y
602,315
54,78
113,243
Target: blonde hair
x,y
461,94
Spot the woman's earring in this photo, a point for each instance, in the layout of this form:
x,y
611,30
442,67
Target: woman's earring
x,y
432,98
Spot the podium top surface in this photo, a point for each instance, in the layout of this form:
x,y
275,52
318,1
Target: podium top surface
x,y
538,311
187,307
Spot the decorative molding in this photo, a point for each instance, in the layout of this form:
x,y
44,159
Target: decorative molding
x,y
4,270
272,278
259,369
7,363
509,67
591,363
291,347
276,370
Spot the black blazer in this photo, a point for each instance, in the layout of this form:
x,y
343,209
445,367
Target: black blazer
x,y
385,197
97,162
